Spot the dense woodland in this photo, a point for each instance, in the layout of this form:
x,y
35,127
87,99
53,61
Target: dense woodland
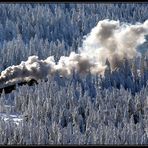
x,y
80,109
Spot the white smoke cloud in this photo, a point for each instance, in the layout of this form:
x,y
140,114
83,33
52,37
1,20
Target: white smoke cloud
x,y
109,39
114,41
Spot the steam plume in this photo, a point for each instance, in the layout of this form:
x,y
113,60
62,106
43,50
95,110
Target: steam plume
x,y
109,39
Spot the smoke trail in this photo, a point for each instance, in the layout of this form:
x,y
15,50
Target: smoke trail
x,y
114,41
109,39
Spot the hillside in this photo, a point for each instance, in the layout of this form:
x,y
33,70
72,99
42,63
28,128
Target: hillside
x,y
88,64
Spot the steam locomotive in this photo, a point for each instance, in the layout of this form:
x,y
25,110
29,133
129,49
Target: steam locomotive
x,y
10,88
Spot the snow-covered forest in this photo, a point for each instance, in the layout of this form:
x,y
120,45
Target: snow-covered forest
x,y
81,108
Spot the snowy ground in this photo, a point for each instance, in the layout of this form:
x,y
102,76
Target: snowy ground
x,y
15,118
